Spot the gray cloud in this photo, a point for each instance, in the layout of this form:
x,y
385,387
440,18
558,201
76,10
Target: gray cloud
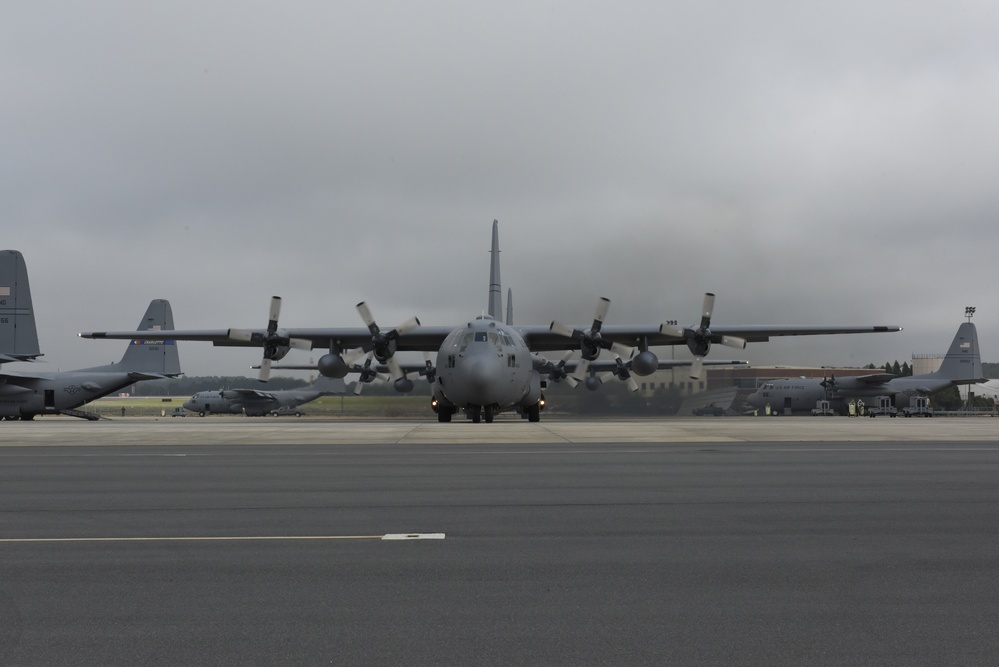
x,y
826,165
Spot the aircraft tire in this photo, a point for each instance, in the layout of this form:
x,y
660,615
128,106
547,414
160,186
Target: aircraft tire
x,y
534,413
488,410
443,415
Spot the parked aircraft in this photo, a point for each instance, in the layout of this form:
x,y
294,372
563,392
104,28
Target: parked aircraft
x,y
484,366
256,403
961,365
24,395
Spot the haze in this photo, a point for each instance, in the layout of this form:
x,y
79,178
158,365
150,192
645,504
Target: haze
x,y
809,163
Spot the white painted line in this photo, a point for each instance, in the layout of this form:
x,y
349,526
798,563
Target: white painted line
x,y
253,538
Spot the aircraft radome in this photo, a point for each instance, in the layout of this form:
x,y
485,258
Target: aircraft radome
x,y
486,366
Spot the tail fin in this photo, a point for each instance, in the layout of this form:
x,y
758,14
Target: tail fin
x,y
153,356
963,363
18,335
495,287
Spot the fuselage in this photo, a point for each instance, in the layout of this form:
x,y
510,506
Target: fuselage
x,y
486,364
51,393
251,404
801,395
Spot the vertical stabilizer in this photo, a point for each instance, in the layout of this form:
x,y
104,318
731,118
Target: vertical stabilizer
x,y
18,335
495,286
963,363
509,307
156,354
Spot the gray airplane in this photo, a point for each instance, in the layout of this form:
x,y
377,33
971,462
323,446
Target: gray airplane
x,y
26,394
257,403
485,366
961,365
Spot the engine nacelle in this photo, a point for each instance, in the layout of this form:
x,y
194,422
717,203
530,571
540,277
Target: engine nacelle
x,y
275,352
645,363
403,385
332,366
699,346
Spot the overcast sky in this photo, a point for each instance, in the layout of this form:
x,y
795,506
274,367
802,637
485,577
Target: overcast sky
x,y
811,163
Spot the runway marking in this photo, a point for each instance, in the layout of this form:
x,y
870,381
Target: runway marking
x,y
245,538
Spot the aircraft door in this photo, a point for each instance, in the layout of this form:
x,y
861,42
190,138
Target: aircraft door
x,y
50,399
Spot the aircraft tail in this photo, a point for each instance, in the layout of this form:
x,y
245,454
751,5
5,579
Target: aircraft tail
x,y
963,363
151,357
495,287
18,335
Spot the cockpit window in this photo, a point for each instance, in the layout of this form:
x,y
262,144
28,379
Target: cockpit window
x,y
481,337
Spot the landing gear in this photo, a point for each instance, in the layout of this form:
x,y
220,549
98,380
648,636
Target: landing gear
x,y
443,415
534,412
488,413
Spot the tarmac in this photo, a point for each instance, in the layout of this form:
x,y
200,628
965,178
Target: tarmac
x,y
752,541
225,429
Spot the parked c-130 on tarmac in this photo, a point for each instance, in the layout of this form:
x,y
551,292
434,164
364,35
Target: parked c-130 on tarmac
x,y
486,366
24,395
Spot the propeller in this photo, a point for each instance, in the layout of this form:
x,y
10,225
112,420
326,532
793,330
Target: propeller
x,y
383,344
557,373
591,342
366,374
699,340
621,373
275,341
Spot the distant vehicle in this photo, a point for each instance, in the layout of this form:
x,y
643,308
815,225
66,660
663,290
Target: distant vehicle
x,y
178,412
961,365
23,395
710,409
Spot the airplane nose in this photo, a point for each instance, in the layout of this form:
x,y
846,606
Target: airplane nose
x,y
482,372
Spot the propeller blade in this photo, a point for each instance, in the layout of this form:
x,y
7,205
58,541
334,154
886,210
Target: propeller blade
x,y
562,330
300,343
697,368
240,334
366,317
265,370
733,341
707,309
675,332
603,304
622,350
350,356
632,385
582,370
407,326
275,312
394,369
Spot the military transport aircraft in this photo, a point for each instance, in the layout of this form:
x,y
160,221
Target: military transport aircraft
x,y
485,366
257,403
961,365
26,394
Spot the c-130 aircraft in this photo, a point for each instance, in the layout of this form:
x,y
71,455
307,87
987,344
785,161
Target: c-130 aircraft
x,y
486,366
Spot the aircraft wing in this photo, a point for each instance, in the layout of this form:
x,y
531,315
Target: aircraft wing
x,y
418,340
248,393
864,380
543,339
